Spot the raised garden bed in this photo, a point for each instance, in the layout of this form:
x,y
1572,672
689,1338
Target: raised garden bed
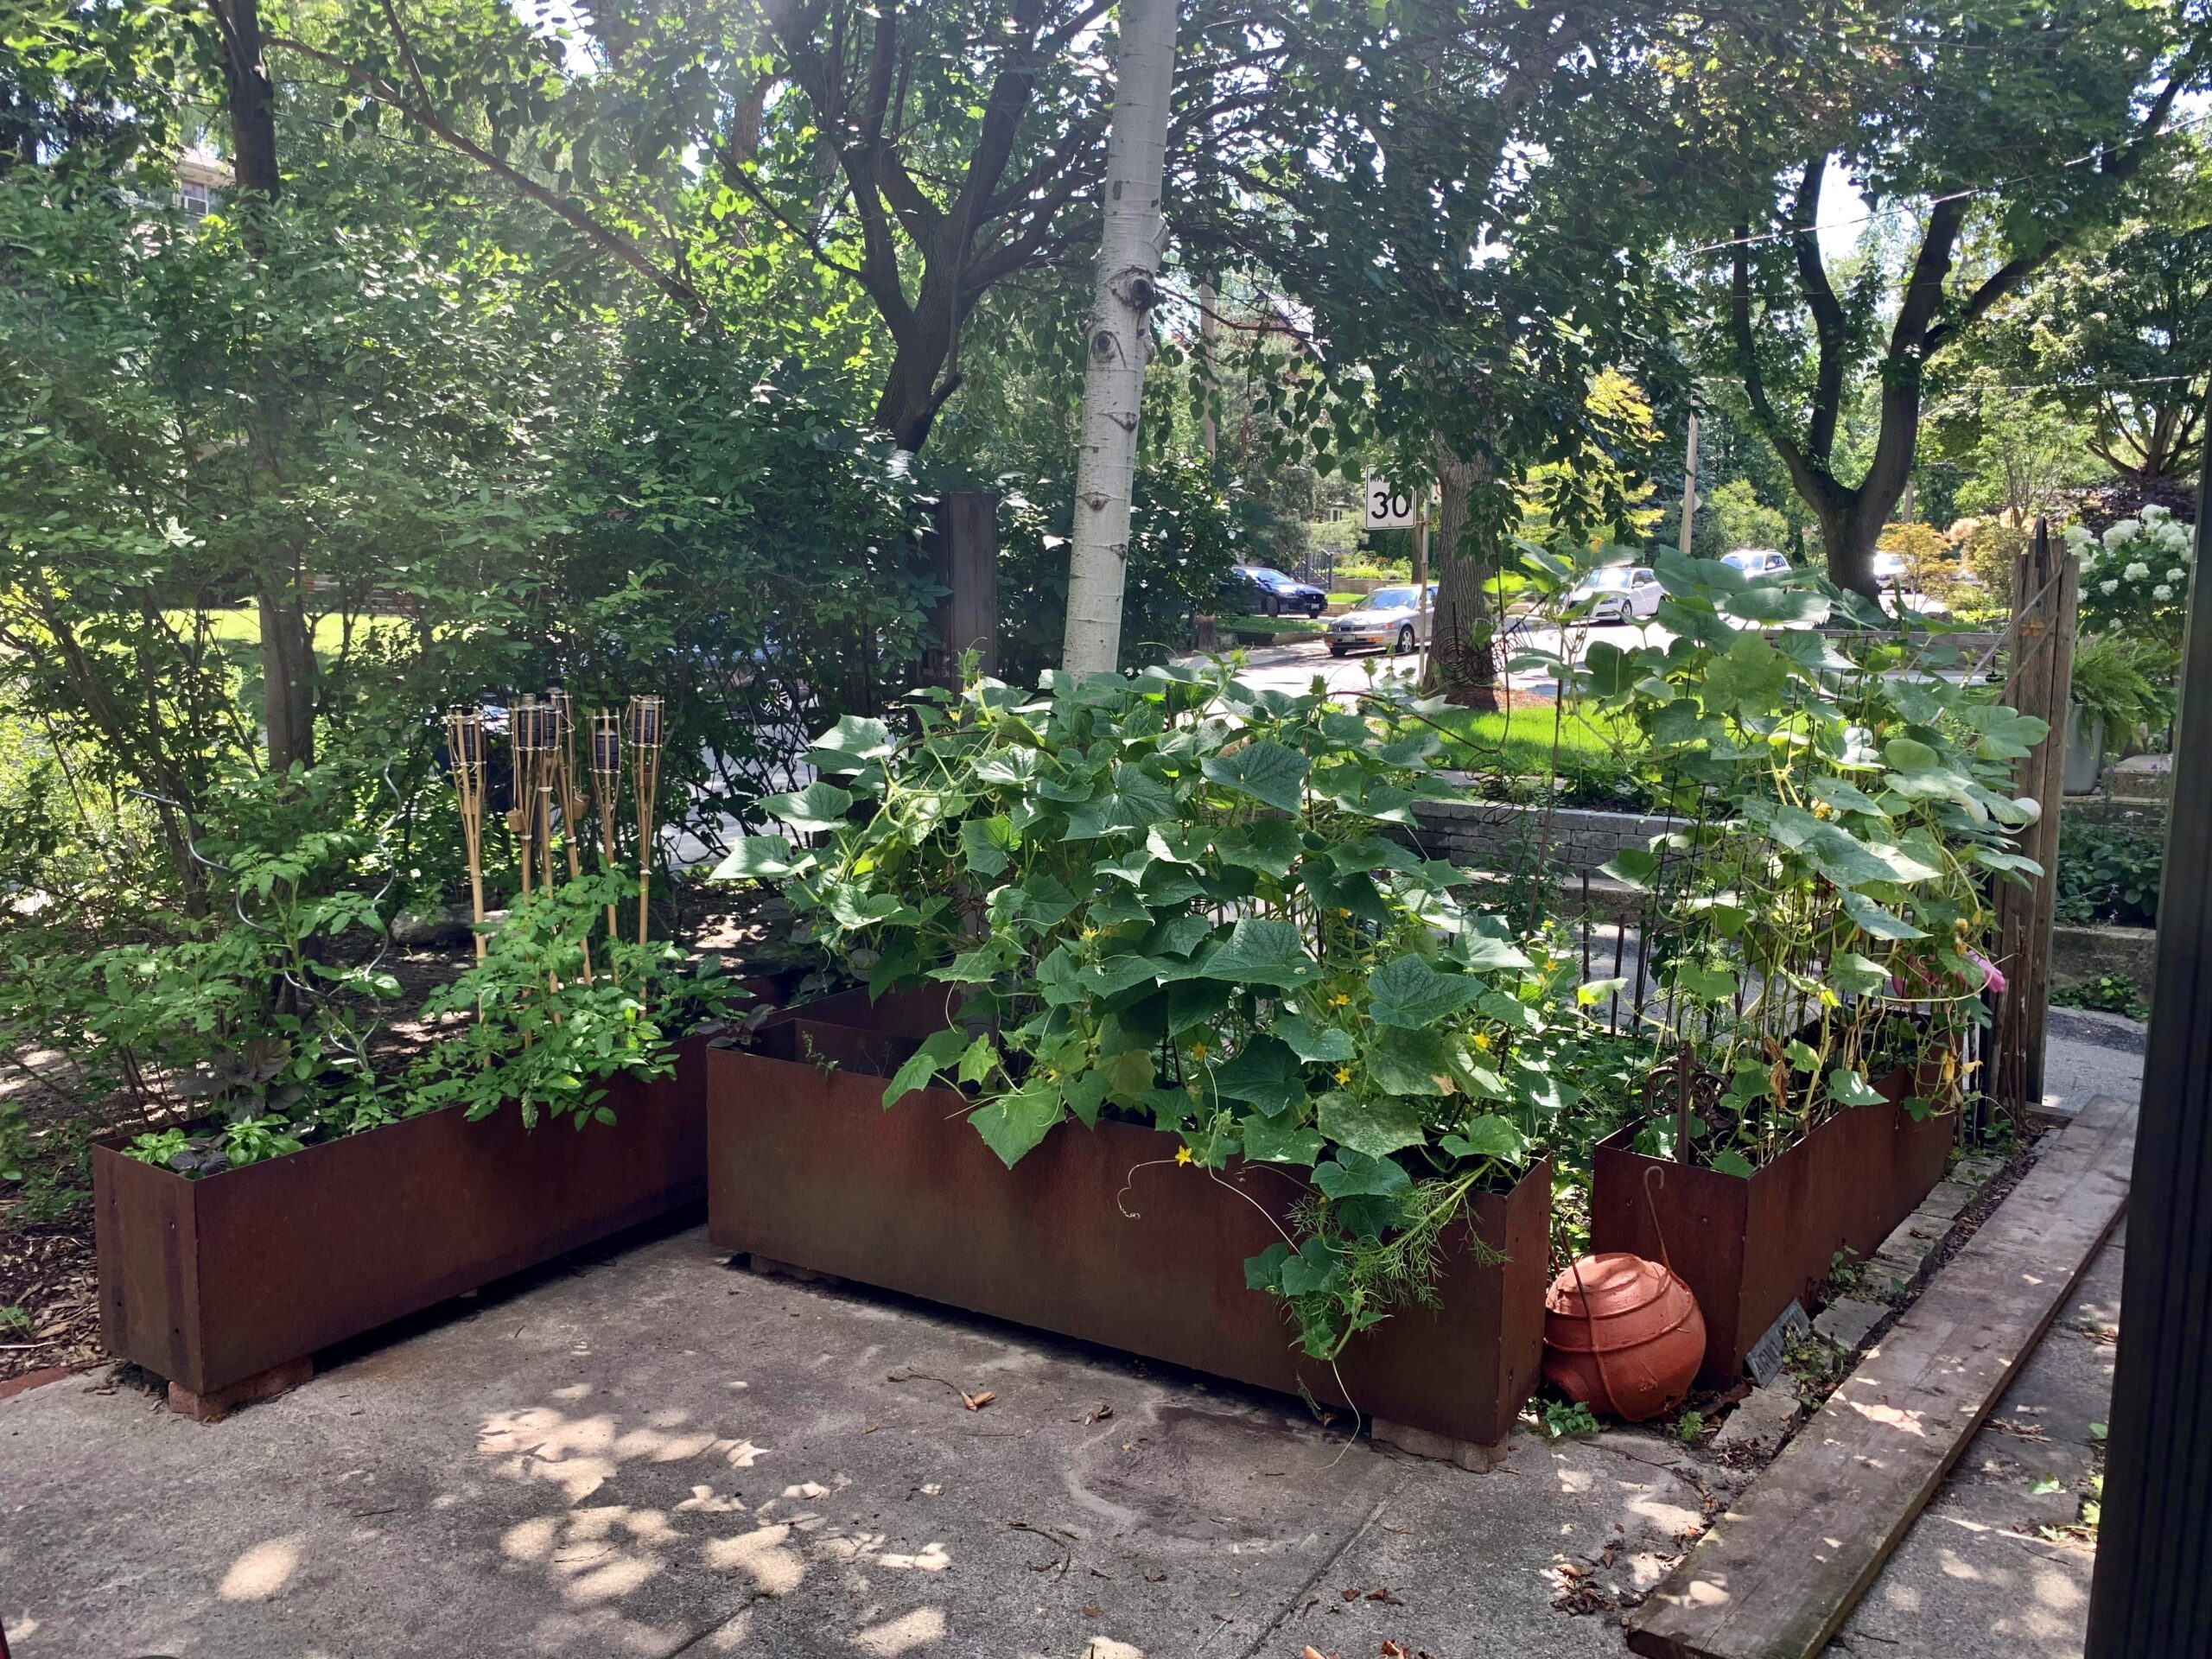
x,y
1098,1233
228,1285
1750,1247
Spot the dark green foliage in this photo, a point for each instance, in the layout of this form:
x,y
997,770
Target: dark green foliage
x,y
2110,873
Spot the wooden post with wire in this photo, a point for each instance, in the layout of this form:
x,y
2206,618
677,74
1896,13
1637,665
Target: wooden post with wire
x,y
606,791
464,751
644,736
2038,681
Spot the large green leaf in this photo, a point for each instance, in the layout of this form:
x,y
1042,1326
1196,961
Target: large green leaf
x,y
1267,1142
1116,974
854,739
938,1050
1267,770
1265,1073
1014,1124
1772,606
818,806
1134,799
1849,971
1748,678
1352,1175
986,843
761,858
1488,1136
1407,991
1405,1062
1878,923
1376,1127
1850,1088
1314,1271
1260,951
1310,1041
1271,846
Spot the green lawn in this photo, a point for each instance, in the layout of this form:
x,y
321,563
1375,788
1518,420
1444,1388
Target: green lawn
x,y
1515,750
1302,626
241,624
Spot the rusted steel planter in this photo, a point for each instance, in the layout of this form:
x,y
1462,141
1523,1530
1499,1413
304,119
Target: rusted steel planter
x,y
1098,1234
210,1283
1748,1247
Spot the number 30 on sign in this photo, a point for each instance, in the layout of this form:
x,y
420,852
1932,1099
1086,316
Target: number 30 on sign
x,y
1389,507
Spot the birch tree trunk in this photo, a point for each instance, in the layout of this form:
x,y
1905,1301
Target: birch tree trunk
x,y
1119,333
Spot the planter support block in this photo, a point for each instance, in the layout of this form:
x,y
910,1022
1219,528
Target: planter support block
x,y
1426,1443
219,1403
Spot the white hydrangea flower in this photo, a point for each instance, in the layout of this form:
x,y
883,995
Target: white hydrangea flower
x,y
2123,533
2162,593
2154,514
2135,571
2109,585
2177,574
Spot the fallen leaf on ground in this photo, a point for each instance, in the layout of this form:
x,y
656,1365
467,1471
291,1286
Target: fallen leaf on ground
x,y
1092,1612
977,1402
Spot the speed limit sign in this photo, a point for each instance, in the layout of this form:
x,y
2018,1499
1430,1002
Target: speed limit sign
x,y
1389,507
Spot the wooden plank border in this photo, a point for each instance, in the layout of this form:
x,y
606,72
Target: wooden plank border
x,y
1777,1576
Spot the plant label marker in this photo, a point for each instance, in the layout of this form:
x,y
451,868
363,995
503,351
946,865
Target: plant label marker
x,y
1765,1357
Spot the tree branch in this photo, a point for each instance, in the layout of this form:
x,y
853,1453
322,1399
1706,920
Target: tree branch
x,y
1828,324
552,200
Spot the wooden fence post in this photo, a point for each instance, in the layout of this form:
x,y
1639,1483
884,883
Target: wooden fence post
x,y
963,542
2038,681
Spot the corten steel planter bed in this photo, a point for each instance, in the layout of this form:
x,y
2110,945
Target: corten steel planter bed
x,y
228,1285
1098,1234
1748,1247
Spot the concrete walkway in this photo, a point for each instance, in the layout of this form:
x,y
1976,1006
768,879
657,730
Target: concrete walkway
x,y
653,1452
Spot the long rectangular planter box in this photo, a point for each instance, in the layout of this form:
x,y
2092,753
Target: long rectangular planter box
x,y
212,1283
1748,1248
1098,1233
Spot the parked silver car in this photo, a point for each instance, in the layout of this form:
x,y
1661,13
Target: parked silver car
x,y
1757,560
1621,594
1386,619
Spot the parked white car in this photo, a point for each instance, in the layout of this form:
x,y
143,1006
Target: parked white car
x,y
1386,619
1757,560
1894,570
1621,594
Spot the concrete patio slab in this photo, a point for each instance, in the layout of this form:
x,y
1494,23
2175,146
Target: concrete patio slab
x,y
657,1453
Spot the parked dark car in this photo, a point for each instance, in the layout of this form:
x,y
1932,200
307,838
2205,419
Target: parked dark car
x,y
1265,592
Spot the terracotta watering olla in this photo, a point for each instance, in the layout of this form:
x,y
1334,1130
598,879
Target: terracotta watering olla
x,y
1623,1335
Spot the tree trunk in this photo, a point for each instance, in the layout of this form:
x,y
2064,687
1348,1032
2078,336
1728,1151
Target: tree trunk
x,y
1462,657
288,664
1119,336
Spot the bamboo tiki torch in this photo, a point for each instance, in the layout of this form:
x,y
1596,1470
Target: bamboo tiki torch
x,y
521,815
644,741
534,766
572,805
606,785
465,748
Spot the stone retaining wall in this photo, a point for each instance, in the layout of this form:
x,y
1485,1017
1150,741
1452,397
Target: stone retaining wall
x,y
1498,835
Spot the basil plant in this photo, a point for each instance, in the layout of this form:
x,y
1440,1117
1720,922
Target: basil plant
x,y
1176,901
1824,915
